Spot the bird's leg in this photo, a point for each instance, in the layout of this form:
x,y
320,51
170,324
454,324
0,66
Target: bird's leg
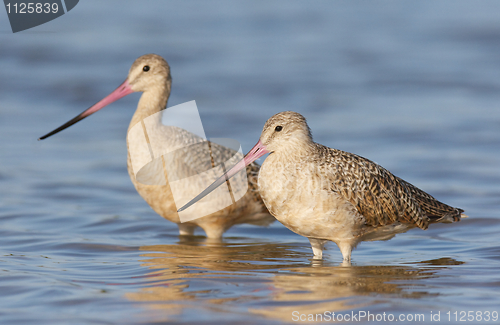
x,y
186,229
317,247
345,249
213,231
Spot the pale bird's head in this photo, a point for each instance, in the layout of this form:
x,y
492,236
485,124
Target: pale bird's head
x,y
149,71
285,131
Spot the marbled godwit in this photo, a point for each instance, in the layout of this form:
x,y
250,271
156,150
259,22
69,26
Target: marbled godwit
x,y
150,74
328,194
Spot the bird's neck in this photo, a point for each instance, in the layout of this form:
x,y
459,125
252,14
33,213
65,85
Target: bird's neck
x,y
152,101
293,152
296,148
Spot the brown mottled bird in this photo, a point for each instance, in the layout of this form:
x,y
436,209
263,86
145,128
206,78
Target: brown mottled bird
x,y
328,194
150,74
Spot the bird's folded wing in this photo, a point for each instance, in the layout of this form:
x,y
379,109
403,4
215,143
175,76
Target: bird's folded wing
x,y
378,195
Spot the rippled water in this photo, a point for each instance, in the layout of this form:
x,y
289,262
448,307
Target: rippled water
x,y
412,85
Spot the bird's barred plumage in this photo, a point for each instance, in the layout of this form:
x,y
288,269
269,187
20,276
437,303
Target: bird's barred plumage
x,y
377,194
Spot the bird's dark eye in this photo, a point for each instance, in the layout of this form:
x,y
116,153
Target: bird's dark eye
x,y
278,128
145,68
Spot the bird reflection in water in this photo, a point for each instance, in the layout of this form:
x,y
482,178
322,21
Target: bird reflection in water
x,y
271,280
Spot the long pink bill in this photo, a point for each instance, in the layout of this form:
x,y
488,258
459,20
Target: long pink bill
x,y
255,153
123,90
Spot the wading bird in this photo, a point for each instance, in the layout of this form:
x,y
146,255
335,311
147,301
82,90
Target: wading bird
x,y
327,194
150,74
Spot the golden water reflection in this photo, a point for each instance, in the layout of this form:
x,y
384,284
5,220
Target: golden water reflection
x,y
270,280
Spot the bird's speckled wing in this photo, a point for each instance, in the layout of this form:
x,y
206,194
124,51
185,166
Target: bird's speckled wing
x,y
434,209
378,195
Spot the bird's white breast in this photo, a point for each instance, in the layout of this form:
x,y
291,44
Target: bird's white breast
x,y
299,196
